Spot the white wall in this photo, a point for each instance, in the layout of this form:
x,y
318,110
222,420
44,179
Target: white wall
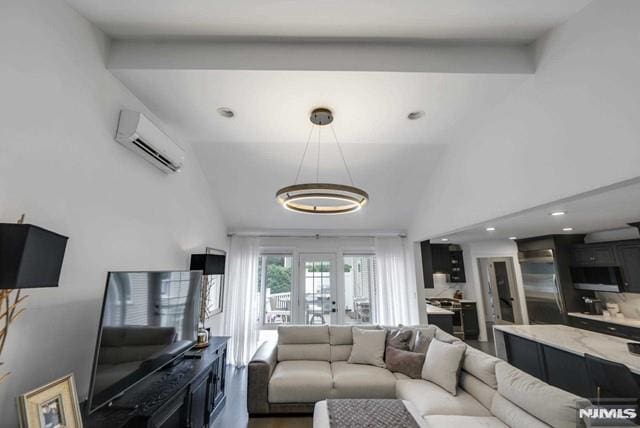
x,y
570,128
495,248
60,165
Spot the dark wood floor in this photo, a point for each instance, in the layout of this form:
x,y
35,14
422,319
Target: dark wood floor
x,y
488,346
235,414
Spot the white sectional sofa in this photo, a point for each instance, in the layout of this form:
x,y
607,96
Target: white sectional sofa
x,y
309,365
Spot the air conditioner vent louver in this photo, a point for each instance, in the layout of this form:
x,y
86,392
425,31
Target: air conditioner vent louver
x,y
140,135
166,162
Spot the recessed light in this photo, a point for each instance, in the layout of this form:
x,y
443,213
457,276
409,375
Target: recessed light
x,y
415,115
445,239
226,112
558,213
513,237
567,229
490,229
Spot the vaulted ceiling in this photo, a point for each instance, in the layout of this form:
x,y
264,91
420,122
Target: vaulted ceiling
x,y
272,62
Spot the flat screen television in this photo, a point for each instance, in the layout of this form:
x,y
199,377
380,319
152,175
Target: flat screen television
x,y
148,320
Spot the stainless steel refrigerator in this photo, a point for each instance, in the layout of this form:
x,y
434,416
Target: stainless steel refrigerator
x,y
544,300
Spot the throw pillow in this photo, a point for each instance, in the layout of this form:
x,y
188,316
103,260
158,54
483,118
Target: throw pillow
x,y
405,362
442,364
400,338
368,347
423,339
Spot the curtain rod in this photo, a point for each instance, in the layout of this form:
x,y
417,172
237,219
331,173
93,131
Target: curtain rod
x,y
318,236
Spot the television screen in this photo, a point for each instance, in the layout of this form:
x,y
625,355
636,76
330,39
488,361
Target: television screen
x,y
148,320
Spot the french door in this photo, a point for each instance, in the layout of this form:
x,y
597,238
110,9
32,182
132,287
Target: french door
x,y
315,288
318,289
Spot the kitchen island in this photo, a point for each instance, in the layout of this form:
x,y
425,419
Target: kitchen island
x,y
443,318
555,353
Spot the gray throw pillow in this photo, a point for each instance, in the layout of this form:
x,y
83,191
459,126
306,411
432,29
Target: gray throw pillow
x,y
400,338
405,362
422,342
368,347
442,364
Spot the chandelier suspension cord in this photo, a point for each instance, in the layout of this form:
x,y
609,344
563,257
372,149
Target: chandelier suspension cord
x,y
342,154
318,160
304,154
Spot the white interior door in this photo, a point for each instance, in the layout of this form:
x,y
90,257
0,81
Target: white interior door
x,y
318,289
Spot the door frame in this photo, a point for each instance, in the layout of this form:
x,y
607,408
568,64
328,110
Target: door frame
x,y
487,281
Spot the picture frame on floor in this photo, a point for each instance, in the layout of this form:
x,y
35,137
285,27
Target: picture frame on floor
x,y
54,405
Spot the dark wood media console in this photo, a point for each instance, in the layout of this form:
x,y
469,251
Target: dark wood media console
x,y
190,393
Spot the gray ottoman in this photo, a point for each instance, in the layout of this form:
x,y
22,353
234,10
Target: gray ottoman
x,y
321,415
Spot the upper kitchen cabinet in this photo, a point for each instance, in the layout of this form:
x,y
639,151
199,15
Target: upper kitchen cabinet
x,y
629,258
593,255
442,258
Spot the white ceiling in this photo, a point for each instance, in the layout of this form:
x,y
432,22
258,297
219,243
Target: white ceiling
x,y
604,209
248,158
512,20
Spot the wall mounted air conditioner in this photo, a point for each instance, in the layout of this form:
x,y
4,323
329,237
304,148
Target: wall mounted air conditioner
x,y
139,134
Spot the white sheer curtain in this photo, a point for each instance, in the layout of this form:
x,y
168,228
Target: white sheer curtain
x,y
241,306
397,301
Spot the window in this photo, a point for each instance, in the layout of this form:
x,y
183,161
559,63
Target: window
x,y
359,286
274,285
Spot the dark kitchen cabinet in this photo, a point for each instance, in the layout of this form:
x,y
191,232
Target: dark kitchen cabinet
x,y
456,263
567,371
469,313
427,265
593,255
440,258
629,258
624,331
525,355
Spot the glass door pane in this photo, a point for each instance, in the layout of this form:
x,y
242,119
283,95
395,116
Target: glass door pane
x,y
317,281
276,278
359,282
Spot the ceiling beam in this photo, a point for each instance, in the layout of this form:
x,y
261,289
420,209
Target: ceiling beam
x,y
323,55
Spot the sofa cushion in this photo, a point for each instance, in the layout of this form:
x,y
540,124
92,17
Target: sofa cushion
x,y
300,382
478,389
446,421
340,352
443,336
552,405
312,351
409,363
399,375
481,365
361,381
342,335
430,399
302,334
442,364
513,415
368,347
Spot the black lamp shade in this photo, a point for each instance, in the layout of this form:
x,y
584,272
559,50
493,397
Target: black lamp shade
x,y
30,256
209,264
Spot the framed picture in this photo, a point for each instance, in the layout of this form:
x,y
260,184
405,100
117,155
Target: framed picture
x,y
54,405
213,290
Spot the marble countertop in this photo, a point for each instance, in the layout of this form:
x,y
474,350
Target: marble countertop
x,y
629,322
435,310
577,341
